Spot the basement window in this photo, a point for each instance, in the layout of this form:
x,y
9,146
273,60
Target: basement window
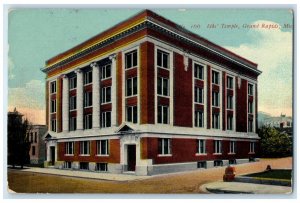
x,y
68,165
201,164
218,163
84,166
101,167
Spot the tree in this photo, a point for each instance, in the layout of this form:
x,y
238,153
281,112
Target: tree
x,y
18,144
274,143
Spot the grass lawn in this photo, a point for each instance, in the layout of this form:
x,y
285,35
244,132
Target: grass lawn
x,y
274,174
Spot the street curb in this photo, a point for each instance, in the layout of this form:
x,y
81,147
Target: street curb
x,y
266,181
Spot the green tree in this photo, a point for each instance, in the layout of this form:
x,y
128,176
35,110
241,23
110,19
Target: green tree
x,y
18,145
274,143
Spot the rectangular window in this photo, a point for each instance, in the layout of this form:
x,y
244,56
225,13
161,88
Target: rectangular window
x,y
88,99
162,59
250,89
131,86
201,164
67,164
106,71
69,148
106,119
73,103
229,82
218,146
84,166
198,95
73,83
201,148
88,77
229,122
252,147
163,114
250,125
198,71
229,102
88,121
215,99
84,147
232,161
131,113
33,150
73,123
105,95
215,77
101,167
53,87
53,125
164,146
102,147
53,106
35,137
218,163
232,147
199,120
250,107
131,59
215,121
31,137
163,86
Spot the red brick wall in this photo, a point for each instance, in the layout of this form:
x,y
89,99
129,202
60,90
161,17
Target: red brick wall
x,y
47,105
208,97
183,90
241,106
224,99
119,87
59,104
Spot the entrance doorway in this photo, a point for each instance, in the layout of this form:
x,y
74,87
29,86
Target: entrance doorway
x,y
52,155
131,157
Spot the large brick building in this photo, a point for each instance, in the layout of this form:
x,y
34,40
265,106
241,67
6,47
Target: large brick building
x,y
148,96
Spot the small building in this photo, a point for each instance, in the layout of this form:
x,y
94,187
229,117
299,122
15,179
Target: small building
x,y
37,147
281,121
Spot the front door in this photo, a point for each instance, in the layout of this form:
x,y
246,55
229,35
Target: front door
x,y
52,155
131,157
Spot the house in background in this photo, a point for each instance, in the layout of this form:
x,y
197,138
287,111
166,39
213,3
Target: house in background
x,y
147,97
37,146
281,121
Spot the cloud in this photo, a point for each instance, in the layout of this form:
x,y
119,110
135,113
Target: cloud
x,y
272,50
11,67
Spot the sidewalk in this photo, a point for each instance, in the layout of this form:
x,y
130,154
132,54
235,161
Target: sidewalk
x,y
85,174
244,188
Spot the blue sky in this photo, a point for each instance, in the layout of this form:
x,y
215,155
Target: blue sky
x,y
35,35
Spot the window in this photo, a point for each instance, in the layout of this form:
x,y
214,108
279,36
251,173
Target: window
x,y
232,161
105,95
250,125
67,164
73,103
84,147
69,148
33,150
88,99
131,86
164,146
163,114
201,149
131,59
106,71
88,121
102,147
53,87
31,137
73,124
162,59
218,163
215,99
215,77
198,95
131,114
84,166
101,167
252,147
199,119
53,125
229,102
106,119
53,106
73,83
163,86
250,89
88,77
250,107
229,122
215,121
229,82
198,71
35,137
201,164
218,146
232,147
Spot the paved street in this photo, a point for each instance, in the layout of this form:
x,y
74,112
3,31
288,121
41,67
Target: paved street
x,y
185,182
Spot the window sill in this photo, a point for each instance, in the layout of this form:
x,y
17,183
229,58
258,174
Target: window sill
x,y
217,153
231,153
215,83
215,106
133,67
53,112
164,96
102,79
199,79
102,155
88,84
69,154
127,97
251,153
87,107
197,154
164,155
103,103
73,89
84,155
199,103
71,110
163,67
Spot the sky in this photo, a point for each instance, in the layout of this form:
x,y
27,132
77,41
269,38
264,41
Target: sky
x,y
35,35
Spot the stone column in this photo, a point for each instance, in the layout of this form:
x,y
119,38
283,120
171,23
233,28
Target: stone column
x,y
96,95
65,103
79,99
113,90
